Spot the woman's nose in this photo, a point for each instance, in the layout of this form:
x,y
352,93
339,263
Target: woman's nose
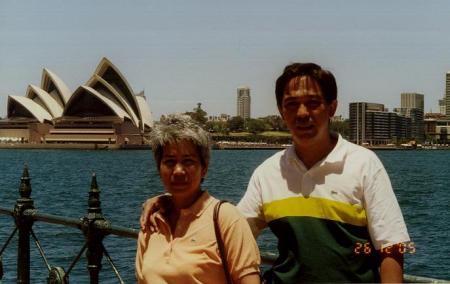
x,y
178,174
179,169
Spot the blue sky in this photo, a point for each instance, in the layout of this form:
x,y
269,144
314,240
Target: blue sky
x,y
187,51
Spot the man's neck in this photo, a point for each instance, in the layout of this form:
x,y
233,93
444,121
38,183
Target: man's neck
x,y
316,151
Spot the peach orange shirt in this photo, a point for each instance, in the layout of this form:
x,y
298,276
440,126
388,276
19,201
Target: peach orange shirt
x,y
191,254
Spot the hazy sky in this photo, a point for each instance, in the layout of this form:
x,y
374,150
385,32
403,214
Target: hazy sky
x,y
188,51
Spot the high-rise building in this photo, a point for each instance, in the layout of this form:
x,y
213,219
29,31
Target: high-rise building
x,y
412,106
371,123
447,94
417,121
243,102
442,106
412,100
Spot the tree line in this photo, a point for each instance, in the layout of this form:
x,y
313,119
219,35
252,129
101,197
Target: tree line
x,y
255,126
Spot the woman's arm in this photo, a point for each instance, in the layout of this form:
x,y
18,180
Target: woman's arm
x,y
241,250
250,279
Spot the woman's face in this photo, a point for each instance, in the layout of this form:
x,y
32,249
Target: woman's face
x,y
181,169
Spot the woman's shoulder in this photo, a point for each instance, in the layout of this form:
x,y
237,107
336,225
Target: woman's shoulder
x,y
228,213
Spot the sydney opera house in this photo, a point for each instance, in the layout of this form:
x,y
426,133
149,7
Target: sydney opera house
x,y
103,111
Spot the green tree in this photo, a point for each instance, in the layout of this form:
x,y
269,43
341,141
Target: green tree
x,y
216,126
236,123
342,127
256,125
274,122
198,114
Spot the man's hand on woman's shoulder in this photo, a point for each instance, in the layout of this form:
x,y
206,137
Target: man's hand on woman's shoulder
x,y
160,203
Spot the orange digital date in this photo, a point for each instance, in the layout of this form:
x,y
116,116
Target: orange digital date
x,y
402,248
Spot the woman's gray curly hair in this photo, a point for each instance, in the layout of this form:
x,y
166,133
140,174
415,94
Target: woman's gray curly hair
x,y
175,128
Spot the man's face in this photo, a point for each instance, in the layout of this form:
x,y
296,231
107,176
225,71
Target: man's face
x,y
305,111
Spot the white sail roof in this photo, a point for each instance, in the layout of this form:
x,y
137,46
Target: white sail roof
x,y
32,107
121,101
144,109
62,91
110,73
82,90
106,93
48,102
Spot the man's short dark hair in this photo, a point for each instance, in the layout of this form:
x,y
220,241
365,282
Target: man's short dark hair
x,y
324,78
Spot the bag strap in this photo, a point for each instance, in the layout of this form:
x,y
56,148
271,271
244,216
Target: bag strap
x,y
220,241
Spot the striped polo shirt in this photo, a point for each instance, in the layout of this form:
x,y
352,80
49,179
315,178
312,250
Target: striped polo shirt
x,y
329,219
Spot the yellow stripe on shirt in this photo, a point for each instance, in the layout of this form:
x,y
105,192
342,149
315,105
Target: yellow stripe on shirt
x,y
315,207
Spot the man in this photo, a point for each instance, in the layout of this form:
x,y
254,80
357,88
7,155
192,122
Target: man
x,y
329,202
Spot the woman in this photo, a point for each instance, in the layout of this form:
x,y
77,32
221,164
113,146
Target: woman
x,y
183,249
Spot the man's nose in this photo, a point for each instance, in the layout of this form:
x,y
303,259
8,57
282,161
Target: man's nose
x,y
302,111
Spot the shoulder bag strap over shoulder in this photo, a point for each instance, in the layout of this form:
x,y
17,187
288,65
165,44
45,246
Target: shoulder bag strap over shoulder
x,y
220,241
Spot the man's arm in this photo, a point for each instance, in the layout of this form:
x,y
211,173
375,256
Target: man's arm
x,y
160,203
251,206
256,225
391,268
385,223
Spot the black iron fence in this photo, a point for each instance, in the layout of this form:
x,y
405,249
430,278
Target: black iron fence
x,y
94,226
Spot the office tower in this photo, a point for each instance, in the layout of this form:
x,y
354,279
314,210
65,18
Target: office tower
x,y
412,100
243,102
447,94
442,106
371,123
412,106
358,120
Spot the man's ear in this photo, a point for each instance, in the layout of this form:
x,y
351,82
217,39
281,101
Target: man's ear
x,y
332,109
280,111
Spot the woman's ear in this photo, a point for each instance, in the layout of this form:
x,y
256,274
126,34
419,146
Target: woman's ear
x,y
204,170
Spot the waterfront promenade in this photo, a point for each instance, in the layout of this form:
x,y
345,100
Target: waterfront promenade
x,y
79,146
232,145
75,146
219,145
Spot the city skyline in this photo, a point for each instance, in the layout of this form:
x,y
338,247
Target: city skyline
x,y
183,53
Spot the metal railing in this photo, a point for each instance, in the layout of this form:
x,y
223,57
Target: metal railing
x,y
94,226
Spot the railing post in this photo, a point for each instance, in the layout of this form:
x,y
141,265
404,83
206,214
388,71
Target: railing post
x,y
94,236
24,225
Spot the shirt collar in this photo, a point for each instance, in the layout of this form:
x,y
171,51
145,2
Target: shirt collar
x,y
336,155
199,206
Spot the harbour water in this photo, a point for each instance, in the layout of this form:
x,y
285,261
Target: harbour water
x,y
61,180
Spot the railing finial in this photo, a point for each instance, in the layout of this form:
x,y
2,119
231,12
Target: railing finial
x,y
24,224
94,203
94,186
94,236
25,186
